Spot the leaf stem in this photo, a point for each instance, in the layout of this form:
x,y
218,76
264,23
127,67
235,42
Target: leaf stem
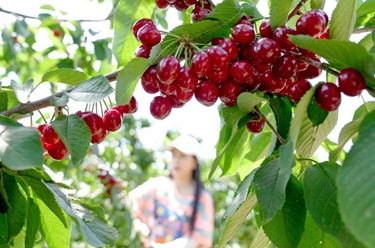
x,y
282,141
296,10
170,34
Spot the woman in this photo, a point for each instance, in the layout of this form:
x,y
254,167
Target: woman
x,y
176,211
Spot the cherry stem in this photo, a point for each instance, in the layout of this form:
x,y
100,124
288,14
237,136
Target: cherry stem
x,y
170,34
296,10
44,119
282,141
320,65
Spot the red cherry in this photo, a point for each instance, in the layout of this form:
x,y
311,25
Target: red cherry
x,y
228,92
41,127
207,93
280,35
139,24
168,69
242,72
184,96
351,82
203,4
265,29
312,23
143,51
93,121
230,46
190,2
167,89
160,107
216,41
219,58
328,96
162,4
266,51
180,5
174,101
271,83
310,73
255,125
112,120
285,67
149,81
149,35
218,76
199,13
131,107
243,34
56,33
49,134
99,137
201,64
186,80
57,151
297,89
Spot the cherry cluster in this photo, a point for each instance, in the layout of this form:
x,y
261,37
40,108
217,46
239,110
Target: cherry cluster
x,y
145,31
99,128
201,7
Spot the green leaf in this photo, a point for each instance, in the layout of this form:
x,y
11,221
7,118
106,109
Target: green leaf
x,y
287,157
59,101
22,91
75,134
260,240
315,113
340,54
43,194
128,78
3,100
16,214
251,10
228,12
53,230
92,90
3,231
310,138
314,237
65,76
321,200
342,20
355,184
4,203
235,220
127,11
364,110
270,186
367,42
279,12
317,4
47,7
246,101
367,7
286,228
32,223
95,230
20,147
282,109
347,132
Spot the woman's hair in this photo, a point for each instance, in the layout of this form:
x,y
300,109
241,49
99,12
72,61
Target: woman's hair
x,y
198,189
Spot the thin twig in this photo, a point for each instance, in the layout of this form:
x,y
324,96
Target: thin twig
x,y
363,30
296,9
282,141
315,63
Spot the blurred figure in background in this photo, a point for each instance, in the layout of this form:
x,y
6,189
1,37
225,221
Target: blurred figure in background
x,y
175,211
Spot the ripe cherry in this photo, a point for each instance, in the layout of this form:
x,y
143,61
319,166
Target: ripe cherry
x,y
93,121
199,13
49,134
265,29
351,82
328,96
285,67
312,23
242,72
271,83
230,46
190,2
219,58
218,76
57,151
280,35
201,64
143,51
168,69
174,101
255,125
186,80
207,93
228,92
167,89
149,35
160,107
131,107
297,89
265,50
140,23
41,127
243,34
112,120
310,73
149,80
99,137
203,4
184,96
162,4
180,5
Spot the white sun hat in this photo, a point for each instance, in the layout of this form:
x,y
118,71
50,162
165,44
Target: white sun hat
x,y
185,144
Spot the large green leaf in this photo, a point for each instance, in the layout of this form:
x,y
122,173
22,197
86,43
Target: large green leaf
x,y
310,137
314,237
23,91
367,42
20,147
342,20
282,109
75,134
3,231
366,8
316,114
340,54
355,185
53,230
260,240
270,186
92,90
65,76
32,223
246,101
279,12
286,228
127,79
16,214
317,4
364,109
93,227
126,13
321,200
227,12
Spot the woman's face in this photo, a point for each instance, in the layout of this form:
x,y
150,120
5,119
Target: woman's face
x,y
182,165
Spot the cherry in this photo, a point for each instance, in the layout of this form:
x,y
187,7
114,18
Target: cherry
x,y
162,4
167,89
184,96
297,89
271,83
174,101
258,66
129,108
255,125
207,93
265,50
246,21
93,121
243,34
218,76
112,120
230,46
242,72
216,41
140,23
228,92
186,80
351,82
171,1
199,13
57,151
41,127
149,35
203,4
99,137
312,23
143,51
328,96
219,58
168,69
285,67
190,2
160,107
201,64
280,35
265,29
180,5
310,73
57,33
49,134
149,80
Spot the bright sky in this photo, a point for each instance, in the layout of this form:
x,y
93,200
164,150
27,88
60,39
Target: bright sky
x,y
193,118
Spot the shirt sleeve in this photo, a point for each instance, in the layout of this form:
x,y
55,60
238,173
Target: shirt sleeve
x,y
204,224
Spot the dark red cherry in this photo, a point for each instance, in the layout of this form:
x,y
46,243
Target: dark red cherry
x,y
112,120
351,82
57,151
149,35
162,4
228,92
168,69
265,50
255,125
243,34
297,89
219,57
139,24
242,72
271,83
99,137
199,13
230,46
186,80
265,29
207,93
160,107
201,64
280,35
180,5
218,76
143,51
285,67
49,134
328,96
312,23
149,81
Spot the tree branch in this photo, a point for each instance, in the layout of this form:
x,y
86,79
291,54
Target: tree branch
x,y
296,10
363,30
320,65
29,107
